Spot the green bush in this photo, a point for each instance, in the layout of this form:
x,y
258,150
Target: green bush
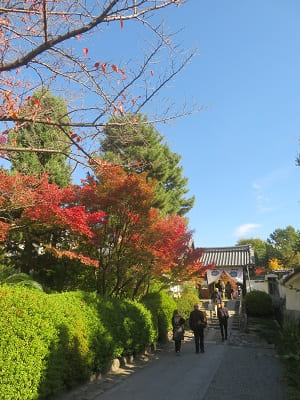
x,y
258,303
80,335
185,304
129,323
26,338
161,306
50,342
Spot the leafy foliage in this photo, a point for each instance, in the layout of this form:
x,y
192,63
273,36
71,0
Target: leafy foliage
x,y
258,303
284,245
107,225
260,250
161,306
51,342
274,264
139,147
10,277
41,136
185,303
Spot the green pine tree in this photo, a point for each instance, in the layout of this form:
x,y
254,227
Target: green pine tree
x,y
141,148
42,136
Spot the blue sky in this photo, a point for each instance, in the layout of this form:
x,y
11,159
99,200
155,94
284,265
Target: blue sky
x,y
239,153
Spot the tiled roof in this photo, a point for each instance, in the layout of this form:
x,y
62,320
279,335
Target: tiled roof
x,y
235,256
290,276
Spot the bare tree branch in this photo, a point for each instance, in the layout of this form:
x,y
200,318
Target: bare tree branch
x,y
36,51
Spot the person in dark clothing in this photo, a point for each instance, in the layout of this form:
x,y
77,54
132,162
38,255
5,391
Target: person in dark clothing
x,y
223,319
198,322
228,290
178,330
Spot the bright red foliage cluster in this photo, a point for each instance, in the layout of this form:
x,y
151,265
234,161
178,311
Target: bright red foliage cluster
x,y
31,198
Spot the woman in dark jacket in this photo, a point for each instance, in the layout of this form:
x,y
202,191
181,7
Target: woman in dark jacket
x,y
178,329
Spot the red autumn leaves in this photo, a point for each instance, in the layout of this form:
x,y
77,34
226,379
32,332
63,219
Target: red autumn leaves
x,y
109,214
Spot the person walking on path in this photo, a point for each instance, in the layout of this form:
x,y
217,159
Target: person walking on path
x,y
178,330
228,290
223,320
198,322
216,299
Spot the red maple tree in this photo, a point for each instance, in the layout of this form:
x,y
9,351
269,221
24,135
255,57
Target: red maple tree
x,y
107,224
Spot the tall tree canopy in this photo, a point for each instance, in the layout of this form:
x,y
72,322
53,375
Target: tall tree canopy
x,y
260,250
284,245
130,142
32,135
281,249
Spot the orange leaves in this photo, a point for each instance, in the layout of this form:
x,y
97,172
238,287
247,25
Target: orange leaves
x,y
36,103
274,264
114,68
122,73
73,255
85,50
75,137
4,227
103,67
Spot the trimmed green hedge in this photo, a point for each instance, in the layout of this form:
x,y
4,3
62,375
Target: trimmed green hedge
x,y
50,342
258,303
185,304
161,306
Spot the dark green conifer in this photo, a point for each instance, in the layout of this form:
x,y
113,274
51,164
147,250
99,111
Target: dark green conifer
x,y
42,136
136,145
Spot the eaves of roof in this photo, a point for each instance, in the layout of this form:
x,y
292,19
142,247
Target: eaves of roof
x,y
287,278
235,256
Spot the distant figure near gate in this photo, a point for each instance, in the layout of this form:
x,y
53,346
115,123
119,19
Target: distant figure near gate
x,y
228,290
216,299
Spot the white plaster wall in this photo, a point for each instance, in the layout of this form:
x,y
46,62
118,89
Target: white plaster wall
x,y
292,296
292,300
258,285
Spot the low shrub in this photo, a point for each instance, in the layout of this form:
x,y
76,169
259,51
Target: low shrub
x,y
185,304
161,306
129,323
51,342
289,350
258,303
27,335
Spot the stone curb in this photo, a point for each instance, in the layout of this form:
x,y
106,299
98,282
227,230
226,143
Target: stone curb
x,y
117,370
